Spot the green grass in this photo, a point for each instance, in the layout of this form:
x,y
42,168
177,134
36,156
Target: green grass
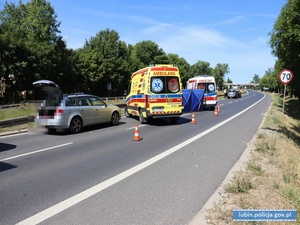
x,y
240,183
255,168
11,113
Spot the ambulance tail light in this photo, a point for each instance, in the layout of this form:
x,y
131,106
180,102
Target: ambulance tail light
x,y
147,102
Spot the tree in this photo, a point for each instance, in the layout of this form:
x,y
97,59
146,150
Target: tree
x,y
13,64
33,28
229,80
183,66
285,41
201,68
255,79
104,60
219,73
270,80
145,53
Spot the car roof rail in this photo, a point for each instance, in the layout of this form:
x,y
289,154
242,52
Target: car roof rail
x,y
76,93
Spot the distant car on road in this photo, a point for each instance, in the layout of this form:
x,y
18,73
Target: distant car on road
x,y
76,111
231,93
238,94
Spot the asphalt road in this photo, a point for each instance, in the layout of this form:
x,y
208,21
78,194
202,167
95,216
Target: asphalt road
x,y
102,176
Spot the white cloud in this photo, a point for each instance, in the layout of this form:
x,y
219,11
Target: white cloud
x,y
229,21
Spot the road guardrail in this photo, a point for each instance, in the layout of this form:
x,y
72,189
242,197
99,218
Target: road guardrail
x,y
14,122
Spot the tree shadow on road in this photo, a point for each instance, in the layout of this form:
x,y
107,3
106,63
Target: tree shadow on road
x,y
6,147
6,166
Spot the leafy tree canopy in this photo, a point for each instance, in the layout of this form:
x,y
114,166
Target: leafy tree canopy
x,y
201,68
183,66
32,48
145,53
219,73
285,41
255,79
104,60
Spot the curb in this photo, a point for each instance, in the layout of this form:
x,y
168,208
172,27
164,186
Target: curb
x,y
4,134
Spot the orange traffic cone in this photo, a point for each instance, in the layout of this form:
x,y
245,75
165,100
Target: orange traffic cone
x,y
216,112
219,108
193,119
136,133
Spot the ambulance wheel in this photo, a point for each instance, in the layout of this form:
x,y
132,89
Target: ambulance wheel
x,y
127,114
141,118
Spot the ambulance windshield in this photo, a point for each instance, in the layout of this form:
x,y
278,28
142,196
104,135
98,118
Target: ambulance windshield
x,y
165,84
208,87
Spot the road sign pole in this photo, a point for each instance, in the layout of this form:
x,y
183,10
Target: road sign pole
x,y
283,99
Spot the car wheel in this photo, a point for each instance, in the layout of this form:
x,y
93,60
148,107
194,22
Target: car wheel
x,y
127,114
115,117
141,118
75,125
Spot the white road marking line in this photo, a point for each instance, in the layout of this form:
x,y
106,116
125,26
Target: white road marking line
x,y
130,128
34,152
55,209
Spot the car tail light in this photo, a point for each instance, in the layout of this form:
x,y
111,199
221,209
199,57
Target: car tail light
x,y
59,111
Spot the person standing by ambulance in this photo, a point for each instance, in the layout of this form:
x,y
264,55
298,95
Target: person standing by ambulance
x,y
225,92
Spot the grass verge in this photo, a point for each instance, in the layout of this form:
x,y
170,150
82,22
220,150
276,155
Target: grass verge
x,y
11,113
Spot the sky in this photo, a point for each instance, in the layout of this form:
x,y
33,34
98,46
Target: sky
x,y
235,32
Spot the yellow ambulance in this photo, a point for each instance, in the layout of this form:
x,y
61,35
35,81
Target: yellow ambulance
x,y
155,92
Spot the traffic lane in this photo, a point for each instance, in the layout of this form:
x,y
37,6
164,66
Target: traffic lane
x,y
14,145
231,107
174,189
118,157
35,181
251,97
206,119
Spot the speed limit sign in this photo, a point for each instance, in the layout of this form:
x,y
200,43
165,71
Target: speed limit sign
x,y
286,76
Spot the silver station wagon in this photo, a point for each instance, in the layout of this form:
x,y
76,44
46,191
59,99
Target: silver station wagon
x,y
76,111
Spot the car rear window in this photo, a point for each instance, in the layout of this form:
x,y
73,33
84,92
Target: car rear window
x,y
71,102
